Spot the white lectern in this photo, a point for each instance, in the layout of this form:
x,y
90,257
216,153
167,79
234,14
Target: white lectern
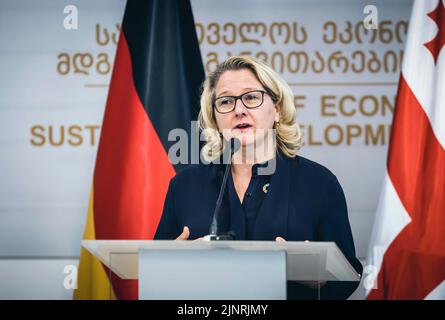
x,y
232,270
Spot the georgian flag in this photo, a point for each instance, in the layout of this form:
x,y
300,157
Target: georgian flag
x,y
407,247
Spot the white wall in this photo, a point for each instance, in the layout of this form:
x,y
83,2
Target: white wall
x,y
34,278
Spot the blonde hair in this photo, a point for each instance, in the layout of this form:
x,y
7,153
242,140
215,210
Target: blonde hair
x,y
288,134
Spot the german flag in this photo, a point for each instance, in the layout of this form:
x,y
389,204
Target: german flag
x,y
154,88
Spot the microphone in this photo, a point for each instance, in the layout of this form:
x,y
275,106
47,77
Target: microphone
x,y
234,144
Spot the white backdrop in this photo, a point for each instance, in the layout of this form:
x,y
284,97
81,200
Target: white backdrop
x,y
54,81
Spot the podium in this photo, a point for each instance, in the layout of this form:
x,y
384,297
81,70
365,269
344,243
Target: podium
x,y
221,270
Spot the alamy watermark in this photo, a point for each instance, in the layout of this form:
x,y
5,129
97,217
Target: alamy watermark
x,y
371,21
257,145
71,20
70,280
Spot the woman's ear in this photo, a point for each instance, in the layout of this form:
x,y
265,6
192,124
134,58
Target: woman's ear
x,y
277,114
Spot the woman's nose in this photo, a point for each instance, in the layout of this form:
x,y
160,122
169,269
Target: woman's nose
x,y
239,107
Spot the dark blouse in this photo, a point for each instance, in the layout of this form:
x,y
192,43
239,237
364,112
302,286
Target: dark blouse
x,y
253,198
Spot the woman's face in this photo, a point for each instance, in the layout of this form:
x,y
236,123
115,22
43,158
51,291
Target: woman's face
x,y
250,126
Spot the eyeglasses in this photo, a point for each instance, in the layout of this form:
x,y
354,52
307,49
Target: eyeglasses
x,y
251,100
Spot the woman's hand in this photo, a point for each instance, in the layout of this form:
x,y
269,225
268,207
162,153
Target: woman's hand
x,y
186,234
280,239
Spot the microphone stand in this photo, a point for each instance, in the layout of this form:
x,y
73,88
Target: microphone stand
x,y
214,235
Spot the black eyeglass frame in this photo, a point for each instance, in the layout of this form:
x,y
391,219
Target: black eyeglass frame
x,y
240,97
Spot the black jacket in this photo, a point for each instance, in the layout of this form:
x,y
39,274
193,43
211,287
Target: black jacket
x,y
304,202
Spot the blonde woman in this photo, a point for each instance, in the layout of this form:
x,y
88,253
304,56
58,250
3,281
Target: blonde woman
x,y
272,193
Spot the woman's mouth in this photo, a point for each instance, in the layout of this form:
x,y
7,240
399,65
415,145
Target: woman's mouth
x,y
242,126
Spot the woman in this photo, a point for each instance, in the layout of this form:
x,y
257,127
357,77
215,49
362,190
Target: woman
x,y
272,193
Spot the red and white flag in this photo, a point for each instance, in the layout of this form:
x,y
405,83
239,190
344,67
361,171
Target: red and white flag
x,y
407,248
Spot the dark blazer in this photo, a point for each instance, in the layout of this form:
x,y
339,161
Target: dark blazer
x,y
304,202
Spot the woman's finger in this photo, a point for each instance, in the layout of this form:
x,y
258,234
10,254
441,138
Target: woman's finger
x,y
185,234
280,239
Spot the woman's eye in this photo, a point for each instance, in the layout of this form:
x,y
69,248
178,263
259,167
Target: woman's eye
x,y
224,101
251,97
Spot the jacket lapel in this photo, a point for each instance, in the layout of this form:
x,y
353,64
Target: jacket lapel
x,y
272,218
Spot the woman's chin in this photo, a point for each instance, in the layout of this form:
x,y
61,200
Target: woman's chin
x,y
246,139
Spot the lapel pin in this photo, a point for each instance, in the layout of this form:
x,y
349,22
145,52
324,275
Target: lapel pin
x,y
266,188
